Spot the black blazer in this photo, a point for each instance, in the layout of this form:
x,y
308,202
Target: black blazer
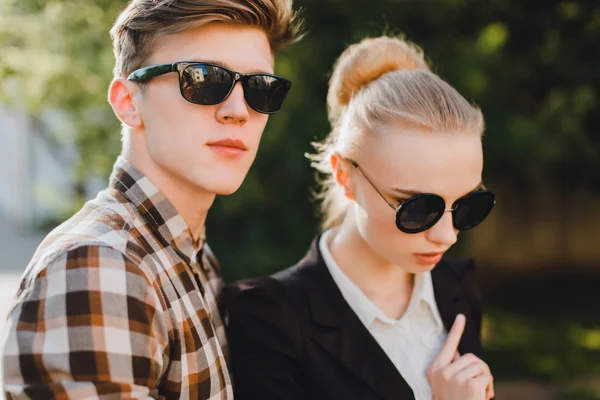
x,y
293,336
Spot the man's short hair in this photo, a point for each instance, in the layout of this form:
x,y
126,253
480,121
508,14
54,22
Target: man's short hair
x,y
144,21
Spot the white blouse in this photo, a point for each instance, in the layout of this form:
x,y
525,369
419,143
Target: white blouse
x,y
412,342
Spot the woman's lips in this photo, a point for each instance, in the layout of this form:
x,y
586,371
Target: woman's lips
x,y
428,258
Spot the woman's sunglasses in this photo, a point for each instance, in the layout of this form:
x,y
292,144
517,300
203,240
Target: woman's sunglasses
x,y
208,84
420,212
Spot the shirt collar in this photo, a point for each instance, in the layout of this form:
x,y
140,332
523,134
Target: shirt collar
x,y
428,296
362,306
156,210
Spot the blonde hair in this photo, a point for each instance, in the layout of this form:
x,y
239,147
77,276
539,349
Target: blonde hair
x,y
383,80
143,21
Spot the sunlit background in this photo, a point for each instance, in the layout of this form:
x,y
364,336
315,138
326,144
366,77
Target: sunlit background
x,y
532,66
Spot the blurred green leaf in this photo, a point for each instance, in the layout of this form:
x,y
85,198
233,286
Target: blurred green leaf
x,y
492,38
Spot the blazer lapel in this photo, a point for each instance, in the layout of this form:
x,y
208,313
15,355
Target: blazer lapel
x,y
451,302
341,333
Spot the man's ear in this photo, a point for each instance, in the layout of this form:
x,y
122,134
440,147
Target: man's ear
x,y
339,166
121,94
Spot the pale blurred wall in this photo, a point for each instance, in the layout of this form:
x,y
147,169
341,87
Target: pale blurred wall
x,y
15,190
35,183
548,228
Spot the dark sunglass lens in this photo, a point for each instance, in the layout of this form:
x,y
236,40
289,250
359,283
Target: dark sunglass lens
x,y
419,213
265,93
205,84
472,210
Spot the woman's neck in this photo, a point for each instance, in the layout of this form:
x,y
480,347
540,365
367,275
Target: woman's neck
x,y
373,274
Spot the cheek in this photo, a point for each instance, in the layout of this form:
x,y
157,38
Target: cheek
x,y
393,245
177,123
377,226
255,126
375,221
173,137
165,108
371,210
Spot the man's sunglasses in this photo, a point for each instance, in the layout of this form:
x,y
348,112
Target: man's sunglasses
x,y
209,84
420,212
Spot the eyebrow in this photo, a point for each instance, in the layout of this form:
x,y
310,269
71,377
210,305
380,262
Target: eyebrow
x,y
222,64
416,192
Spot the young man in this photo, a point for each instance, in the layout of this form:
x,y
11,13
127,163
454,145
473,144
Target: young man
x,y
120,300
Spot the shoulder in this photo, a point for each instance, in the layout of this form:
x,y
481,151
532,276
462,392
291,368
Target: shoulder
x,y
261,305
103,221
81,288
287,286
256,290
262,310
278,296
291,286
86,267
108,224
92,256
88,280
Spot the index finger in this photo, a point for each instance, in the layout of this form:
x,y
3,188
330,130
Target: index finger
x,y
451,346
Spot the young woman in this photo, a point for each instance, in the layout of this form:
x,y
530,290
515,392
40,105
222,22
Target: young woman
x,y
375,310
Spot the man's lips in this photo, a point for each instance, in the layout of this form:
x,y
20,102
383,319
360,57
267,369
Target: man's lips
x,y
228,147
232,143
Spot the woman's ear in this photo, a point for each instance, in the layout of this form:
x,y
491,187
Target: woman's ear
x,y
121,94
339,166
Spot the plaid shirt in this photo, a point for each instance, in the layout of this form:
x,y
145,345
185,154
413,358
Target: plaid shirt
x,y
117,302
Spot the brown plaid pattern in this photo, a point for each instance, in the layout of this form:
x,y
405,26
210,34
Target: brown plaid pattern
x,y
117,302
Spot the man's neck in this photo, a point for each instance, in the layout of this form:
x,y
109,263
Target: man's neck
x,y
191,202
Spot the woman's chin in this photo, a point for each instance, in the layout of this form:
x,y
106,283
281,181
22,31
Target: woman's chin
x,y
418,268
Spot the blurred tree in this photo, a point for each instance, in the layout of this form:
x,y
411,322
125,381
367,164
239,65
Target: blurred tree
x,y
57,55
531,66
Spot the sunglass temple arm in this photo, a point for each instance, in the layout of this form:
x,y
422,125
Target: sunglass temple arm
x,y
389,203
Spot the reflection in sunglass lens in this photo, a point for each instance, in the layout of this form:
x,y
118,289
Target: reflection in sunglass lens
x,y
205,84
265,93
472,210
419,213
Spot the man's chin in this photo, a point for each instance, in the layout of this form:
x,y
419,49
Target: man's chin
x,y
225,188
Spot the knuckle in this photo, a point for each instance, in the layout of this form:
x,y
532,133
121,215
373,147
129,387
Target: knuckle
x,y
473,387
430,374
487,368
432,370
462,380
446,376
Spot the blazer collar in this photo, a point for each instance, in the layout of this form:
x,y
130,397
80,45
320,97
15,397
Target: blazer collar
x,y
344,337
451,301
341,333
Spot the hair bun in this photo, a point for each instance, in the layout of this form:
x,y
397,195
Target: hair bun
x,y
364,62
